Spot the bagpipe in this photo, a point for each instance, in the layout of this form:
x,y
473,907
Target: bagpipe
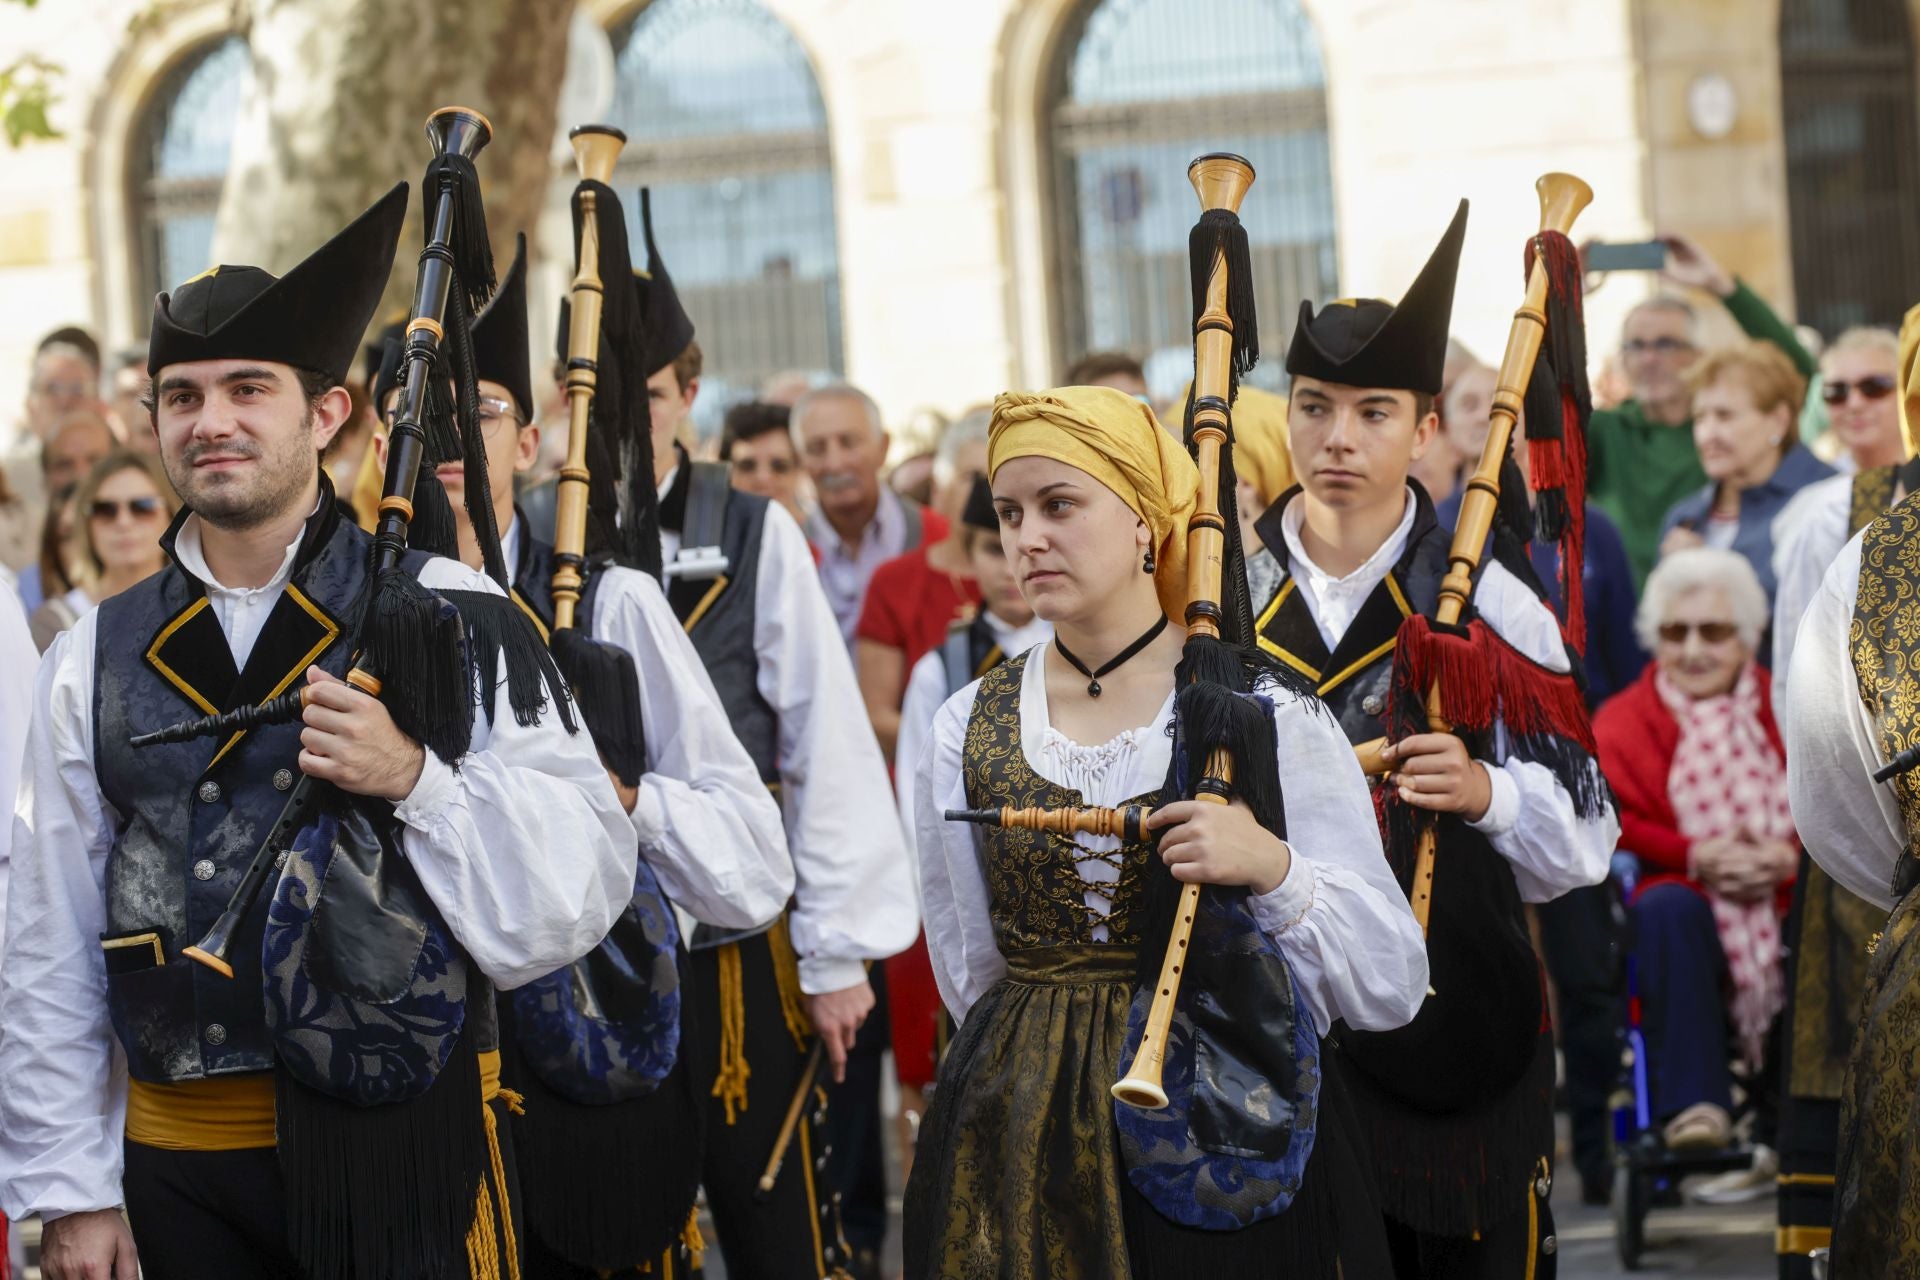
x,y
1217,1014
1478,1030
610,1163
376,1014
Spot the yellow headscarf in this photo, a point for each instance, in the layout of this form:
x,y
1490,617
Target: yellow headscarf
x,y
1261,455
1909,385
1115,439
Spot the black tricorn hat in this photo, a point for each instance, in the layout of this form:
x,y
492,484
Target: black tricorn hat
x,y
669,329
313,317
1367,342
500,352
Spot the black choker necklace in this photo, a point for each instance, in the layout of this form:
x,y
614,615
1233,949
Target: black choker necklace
x,y
1093,677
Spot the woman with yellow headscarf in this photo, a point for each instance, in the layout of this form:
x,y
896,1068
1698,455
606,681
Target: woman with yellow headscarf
x,y
1033,936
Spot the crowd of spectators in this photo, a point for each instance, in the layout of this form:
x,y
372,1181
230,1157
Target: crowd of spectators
x,y
1710,521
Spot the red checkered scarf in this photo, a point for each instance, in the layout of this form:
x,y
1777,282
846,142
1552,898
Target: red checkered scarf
x,y
1727,779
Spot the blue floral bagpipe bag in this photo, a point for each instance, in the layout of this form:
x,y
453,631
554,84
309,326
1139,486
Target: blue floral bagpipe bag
x,y
606,1028
1242,1062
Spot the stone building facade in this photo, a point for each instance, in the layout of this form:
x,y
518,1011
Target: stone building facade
x,y
987,188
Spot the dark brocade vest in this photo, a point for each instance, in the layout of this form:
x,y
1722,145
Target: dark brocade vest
x,y
192,814
1876,1185
717,610
1458,1116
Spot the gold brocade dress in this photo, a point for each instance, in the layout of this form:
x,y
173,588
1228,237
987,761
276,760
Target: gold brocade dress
x,y
1017,1173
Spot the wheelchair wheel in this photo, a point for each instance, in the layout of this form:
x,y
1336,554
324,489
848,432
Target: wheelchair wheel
x,y
1632,1196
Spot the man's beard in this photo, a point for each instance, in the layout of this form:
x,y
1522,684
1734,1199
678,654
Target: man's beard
x,y
277,482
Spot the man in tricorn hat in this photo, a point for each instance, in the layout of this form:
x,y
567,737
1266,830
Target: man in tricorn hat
x,y
740,577
514,864
705,823
1457,1107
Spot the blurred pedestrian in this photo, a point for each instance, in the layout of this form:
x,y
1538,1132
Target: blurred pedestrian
x,y
120,511
1116,369
758,450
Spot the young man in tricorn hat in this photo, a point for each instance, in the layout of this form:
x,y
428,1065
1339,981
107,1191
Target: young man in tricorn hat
x,y
741,580
1457,1107
522,855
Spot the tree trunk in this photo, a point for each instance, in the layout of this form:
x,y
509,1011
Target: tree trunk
x,y
340,91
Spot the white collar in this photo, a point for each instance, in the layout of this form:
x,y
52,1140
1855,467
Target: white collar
x,y
193,558
510,548
1371,570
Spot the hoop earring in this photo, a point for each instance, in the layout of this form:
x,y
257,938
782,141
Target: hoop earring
x,y
1146,565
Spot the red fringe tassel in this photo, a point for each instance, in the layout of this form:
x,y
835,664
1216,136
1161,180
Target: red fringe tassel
x,y
1483,679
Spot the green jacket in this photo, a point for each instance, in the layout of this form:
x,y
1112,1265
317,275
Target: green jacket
x,y
1637,470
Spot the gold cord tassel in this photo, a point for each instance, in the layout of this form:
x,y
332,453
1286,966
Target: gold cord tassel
x,y
730,1082
695,1243
483,1245
786,977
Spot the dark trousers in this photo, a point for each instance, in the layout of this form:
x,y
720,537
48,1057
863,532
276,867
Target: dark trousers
x,y
1682,981
197,1215
792,1234
1503,1253
208,1213
855,1129
1580,943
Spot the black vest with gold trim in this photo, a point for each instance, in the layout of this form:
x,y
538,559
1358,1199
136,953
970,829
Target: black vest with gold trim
x,y
191,815
717,609
1457,1104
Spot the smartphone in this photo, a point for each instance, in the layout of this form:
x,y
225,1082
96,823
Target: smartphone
x,y
1642,255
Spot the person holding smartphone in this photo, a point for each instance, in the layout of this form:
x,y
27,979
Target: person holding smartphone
x,y
1642,457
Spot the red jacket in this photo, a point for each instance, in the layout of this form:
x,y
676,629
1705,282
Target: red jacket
x,y
1637,737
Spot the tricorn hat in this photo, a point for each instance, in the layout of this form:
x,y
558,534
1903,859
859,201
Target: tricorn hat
x,y
500,352
313,317
669,329
979,512
1367,342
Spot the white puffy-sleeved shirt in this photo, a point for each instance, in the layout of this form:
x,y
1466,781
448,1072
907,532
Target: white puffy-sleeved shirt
x,y
1807,534
525,851
853,896
1849,823
1530,819
705,822
926,690
18,659
1339,915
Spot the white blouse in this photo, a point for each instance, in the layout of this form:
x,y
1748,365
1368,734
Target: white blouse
x,y
1339,916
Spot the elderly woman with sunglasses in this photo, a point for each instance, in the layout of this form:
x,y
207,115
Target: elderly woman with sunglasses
x,y
1746,404
1695,759
120,511
1860,384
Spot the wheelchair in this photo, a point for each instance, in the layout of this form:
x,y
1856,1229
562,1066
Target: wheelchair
x,y
1646,1174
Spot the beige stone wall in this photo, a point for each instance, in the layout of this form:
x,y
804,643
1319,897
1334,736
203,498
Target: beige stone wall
x,y
940,168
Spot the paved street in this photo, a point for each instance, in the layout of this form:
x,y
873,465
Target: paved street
x,y
1696,1240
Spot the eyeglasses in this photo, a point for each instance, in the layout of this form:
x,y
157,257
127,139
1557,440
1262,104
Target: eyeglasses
x,y
63,390
1710,632
109,510
494,411
1875,386
1664,346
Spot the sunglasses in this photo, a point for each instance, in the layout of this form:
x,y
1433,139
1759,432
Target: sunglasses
x,y
1665,346
774,466
139,508
1875,386
1711,632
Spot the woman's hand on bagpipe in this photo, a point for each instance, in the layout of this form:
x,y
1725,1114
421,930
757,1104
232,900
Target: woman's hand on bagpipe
x,y
1209,843
352,742
1433,771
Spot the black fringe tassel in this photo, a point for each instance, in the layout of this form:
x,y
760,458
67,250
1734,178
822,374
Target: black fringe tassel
x,y
414,642
607,686
385,1192
1219,231
478,488
439,431
432,528
606,1188
499,634
472,250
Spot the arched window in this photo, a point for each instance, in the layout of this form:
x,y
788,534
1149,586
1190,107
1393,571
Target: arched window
x,y
1141,87
724,123
179,165
1853,160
